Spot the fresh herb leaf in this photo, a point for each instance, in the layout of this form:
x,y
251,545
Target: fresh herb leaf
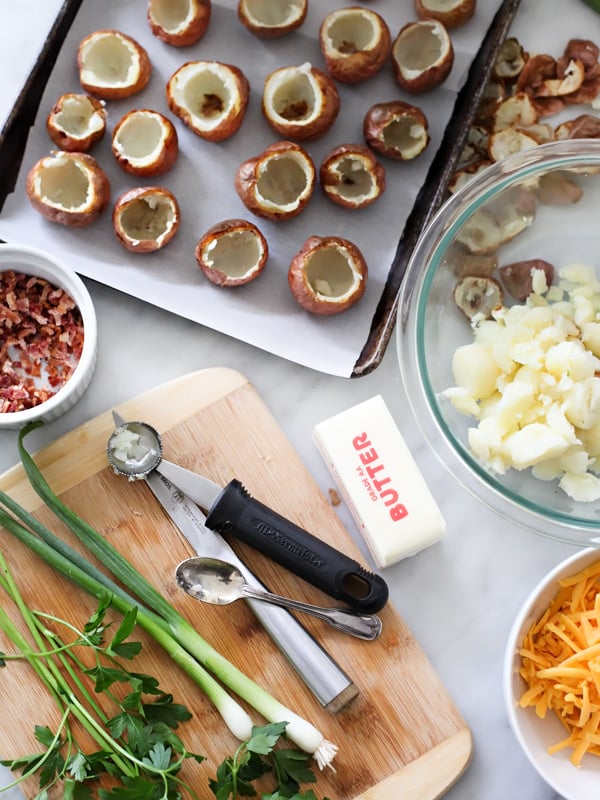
x,y
44,735
159,756
146,684
77,766
266,737
137,788
75,790
118,646
293,764
259,756
163,709
105,677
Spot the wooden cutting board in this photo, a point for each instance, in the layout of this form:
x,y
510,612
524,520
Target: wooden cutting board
x,y
402,738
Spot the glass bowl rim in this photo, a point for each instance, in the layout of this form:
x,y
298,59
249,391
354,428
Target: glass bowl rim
x,y
413,298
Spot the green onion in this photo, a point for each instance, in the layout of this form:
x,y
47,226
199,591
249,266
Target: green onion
x,y
158,617
147,766
96,583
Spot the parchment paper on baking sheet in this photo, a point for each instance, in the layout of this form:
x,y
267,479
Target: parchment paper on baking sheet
x,y
262,313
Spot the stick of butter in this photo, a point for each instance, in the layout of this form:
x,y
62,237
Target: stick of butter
x,y
380,481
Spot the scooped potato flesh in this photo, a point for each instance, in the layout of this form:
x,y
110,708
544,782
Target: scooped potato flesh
x,y
352,32
356,181
404,134
294,98
207,96
272,14
418,49
329,273
235,254
64,184
109,61
532,384
78,116
140,137
282,181
171,14
145,219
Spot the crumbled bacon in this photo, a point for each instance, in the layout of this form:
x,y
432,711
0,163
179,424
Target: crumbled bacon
x,y
41,339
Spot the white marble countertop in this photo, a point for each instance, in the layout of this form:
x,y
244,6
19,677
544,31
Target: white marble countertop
x,y
458,597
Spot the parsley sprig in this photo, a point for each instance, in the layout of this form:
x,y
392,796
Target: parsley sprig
x,y
137,743
259,756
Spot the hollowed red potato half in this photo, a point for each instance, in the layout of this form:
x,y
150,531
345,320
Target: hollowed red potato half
x,y
328,275
355,43
278,183
451,13
351,176
76,122
145,143
146,218
300,102
112,65
232,253
210,97
422,56
68,188
396,129
268,20
179,23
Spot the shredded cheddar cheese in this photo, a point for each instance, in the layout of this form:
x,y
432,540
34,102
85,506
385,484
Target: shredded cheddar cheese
x,y
560,663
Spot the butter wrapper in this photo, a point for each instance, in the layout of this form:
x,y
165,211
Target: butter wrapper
x,y
380,481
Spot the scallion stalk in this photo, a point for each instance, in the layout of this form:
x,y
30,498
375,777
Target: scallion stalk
x,y
164,622
236,718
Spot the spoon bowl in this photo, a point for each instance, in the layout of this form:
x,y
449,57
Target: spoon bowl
x,y
134,449
211,580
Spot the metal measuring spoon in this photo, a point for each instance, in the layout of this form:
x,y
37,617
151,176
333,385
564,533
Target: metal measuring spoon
x,y
211,580
134,449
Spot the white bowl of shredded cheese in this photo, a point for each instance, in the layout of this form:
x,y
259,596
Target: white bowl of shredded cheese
x,y
48,336
551,671
499,338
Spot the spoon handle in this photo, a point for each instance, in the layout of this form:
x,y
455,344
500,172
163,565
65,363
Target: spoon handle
x,y
363,626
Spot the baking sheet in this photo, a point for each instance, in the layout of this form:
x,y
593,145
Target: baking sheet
x,y
262,313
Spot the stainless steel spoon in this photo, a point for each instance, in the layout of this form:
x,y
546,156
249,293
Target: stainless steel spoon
x,y
214,581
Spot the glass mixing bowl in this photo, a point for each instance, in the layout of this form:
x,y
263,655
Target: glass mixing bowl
x,y
546,202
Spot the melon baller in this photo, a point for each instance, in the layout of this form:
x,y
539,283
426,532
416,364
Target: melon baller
x,y
135,450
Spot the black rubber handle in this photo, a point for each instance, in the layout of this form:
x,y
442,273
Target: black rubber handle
x,y
237,513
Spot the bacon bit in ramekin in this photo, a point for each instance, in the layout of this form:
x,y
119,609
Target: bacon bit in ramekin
x,y
41,339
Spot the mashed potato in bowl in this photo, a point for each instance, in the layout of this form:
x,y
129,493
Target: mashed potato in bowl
x,y
514,417
530,379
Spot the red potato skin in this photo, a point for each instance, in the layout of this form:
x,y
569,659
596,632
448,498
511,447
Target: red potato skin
x,y
247,176
130,196
100,192
361,65
517,280
380,115
269,31
301,288
453,18
330,180
189,35
428,79
227,226
231,124
117,92
166,158
74,144
318,127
